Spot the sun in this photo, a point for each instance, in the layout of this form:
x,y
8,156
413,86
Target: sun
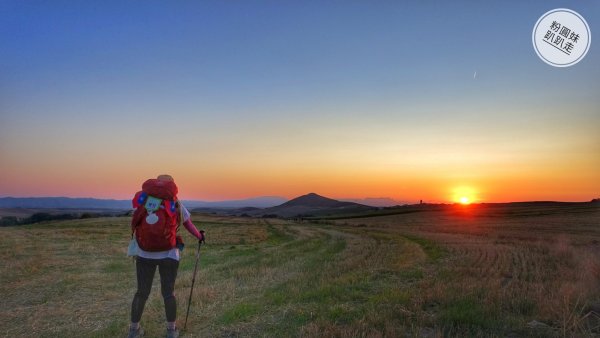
x,y
464,195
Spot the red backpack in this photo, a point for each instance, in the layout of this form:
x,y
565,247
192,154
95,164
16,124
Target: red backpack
x,y
155,220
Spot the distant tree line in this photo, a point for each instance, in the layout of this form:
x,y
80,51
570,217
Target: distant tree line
x,y
44,216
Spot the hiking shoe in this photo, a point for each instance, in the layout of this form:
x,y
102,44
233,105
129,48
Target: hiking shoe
x,y
135,333
172,333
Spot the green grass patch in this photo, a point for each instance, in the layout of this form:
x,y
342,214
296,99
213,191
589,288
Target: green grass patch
x,y
468,313
278,296
432,249
240,252
338,246
411,274
277,236
238,313
117,267
344,313
391,296
332,293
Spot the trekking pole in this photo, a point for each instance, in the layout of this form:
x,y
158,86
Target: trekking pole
x,y
193,280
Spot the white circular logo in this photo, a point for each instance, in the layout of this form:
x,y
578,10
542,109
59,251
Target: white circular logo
x,y
561,37
151,218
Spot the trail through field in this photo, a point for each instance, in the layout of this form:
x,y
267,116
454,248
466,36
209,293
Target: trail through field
x,y
308,279
256,277
415,274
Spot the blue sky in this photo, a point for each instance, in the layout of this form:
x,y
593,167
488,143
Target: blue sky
x,y
288,85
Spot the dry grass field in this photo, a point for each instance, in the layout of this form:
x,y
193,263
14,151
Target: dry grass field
x,y
507,267
458,271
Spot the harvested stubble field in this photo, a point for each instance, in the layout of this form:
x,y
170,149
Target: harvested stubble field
x,y
456,271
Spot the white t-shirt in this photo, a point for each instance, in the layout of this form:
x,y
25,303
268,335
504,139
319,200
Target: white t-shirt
x,y
173,253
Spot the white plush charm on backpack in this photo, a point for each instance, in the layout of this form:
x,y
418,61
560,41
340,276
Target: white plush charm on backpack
x,y
151,218
132,249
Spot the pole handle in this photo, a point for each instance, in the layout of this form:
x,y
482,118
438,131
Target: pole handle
x,y
202,240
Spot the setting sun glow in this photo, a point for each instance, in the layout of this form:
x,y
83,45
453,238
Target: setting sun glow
x,y
465,195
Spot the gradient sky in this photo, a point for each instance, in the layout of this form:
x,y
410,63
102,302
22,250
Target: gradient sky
x,y
245,98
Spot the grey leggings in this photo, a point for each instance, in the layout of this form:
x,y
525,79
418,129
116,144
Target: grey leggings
x,y
167,268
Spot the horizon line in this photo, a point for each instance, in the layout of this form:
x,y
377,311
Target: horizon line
x,y
405,202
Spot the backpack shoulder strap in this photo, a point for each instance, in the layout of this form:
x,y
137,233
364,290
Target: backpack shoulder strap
x,y
180,214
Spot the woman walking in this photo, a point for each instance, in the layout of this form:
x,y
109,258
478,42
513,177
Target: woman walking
x,y
157,216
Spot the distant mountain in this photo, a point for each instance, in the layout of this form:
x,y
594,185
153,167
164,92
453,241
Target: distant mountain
x,y
375,201
312,205
314,200
96,203
63,203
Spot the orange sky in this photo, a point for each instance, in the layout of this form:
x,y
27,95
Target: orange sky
x,y
346,162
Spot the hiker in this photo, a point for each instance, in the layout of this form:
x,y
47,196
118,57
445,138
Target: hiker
x,y
157,216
